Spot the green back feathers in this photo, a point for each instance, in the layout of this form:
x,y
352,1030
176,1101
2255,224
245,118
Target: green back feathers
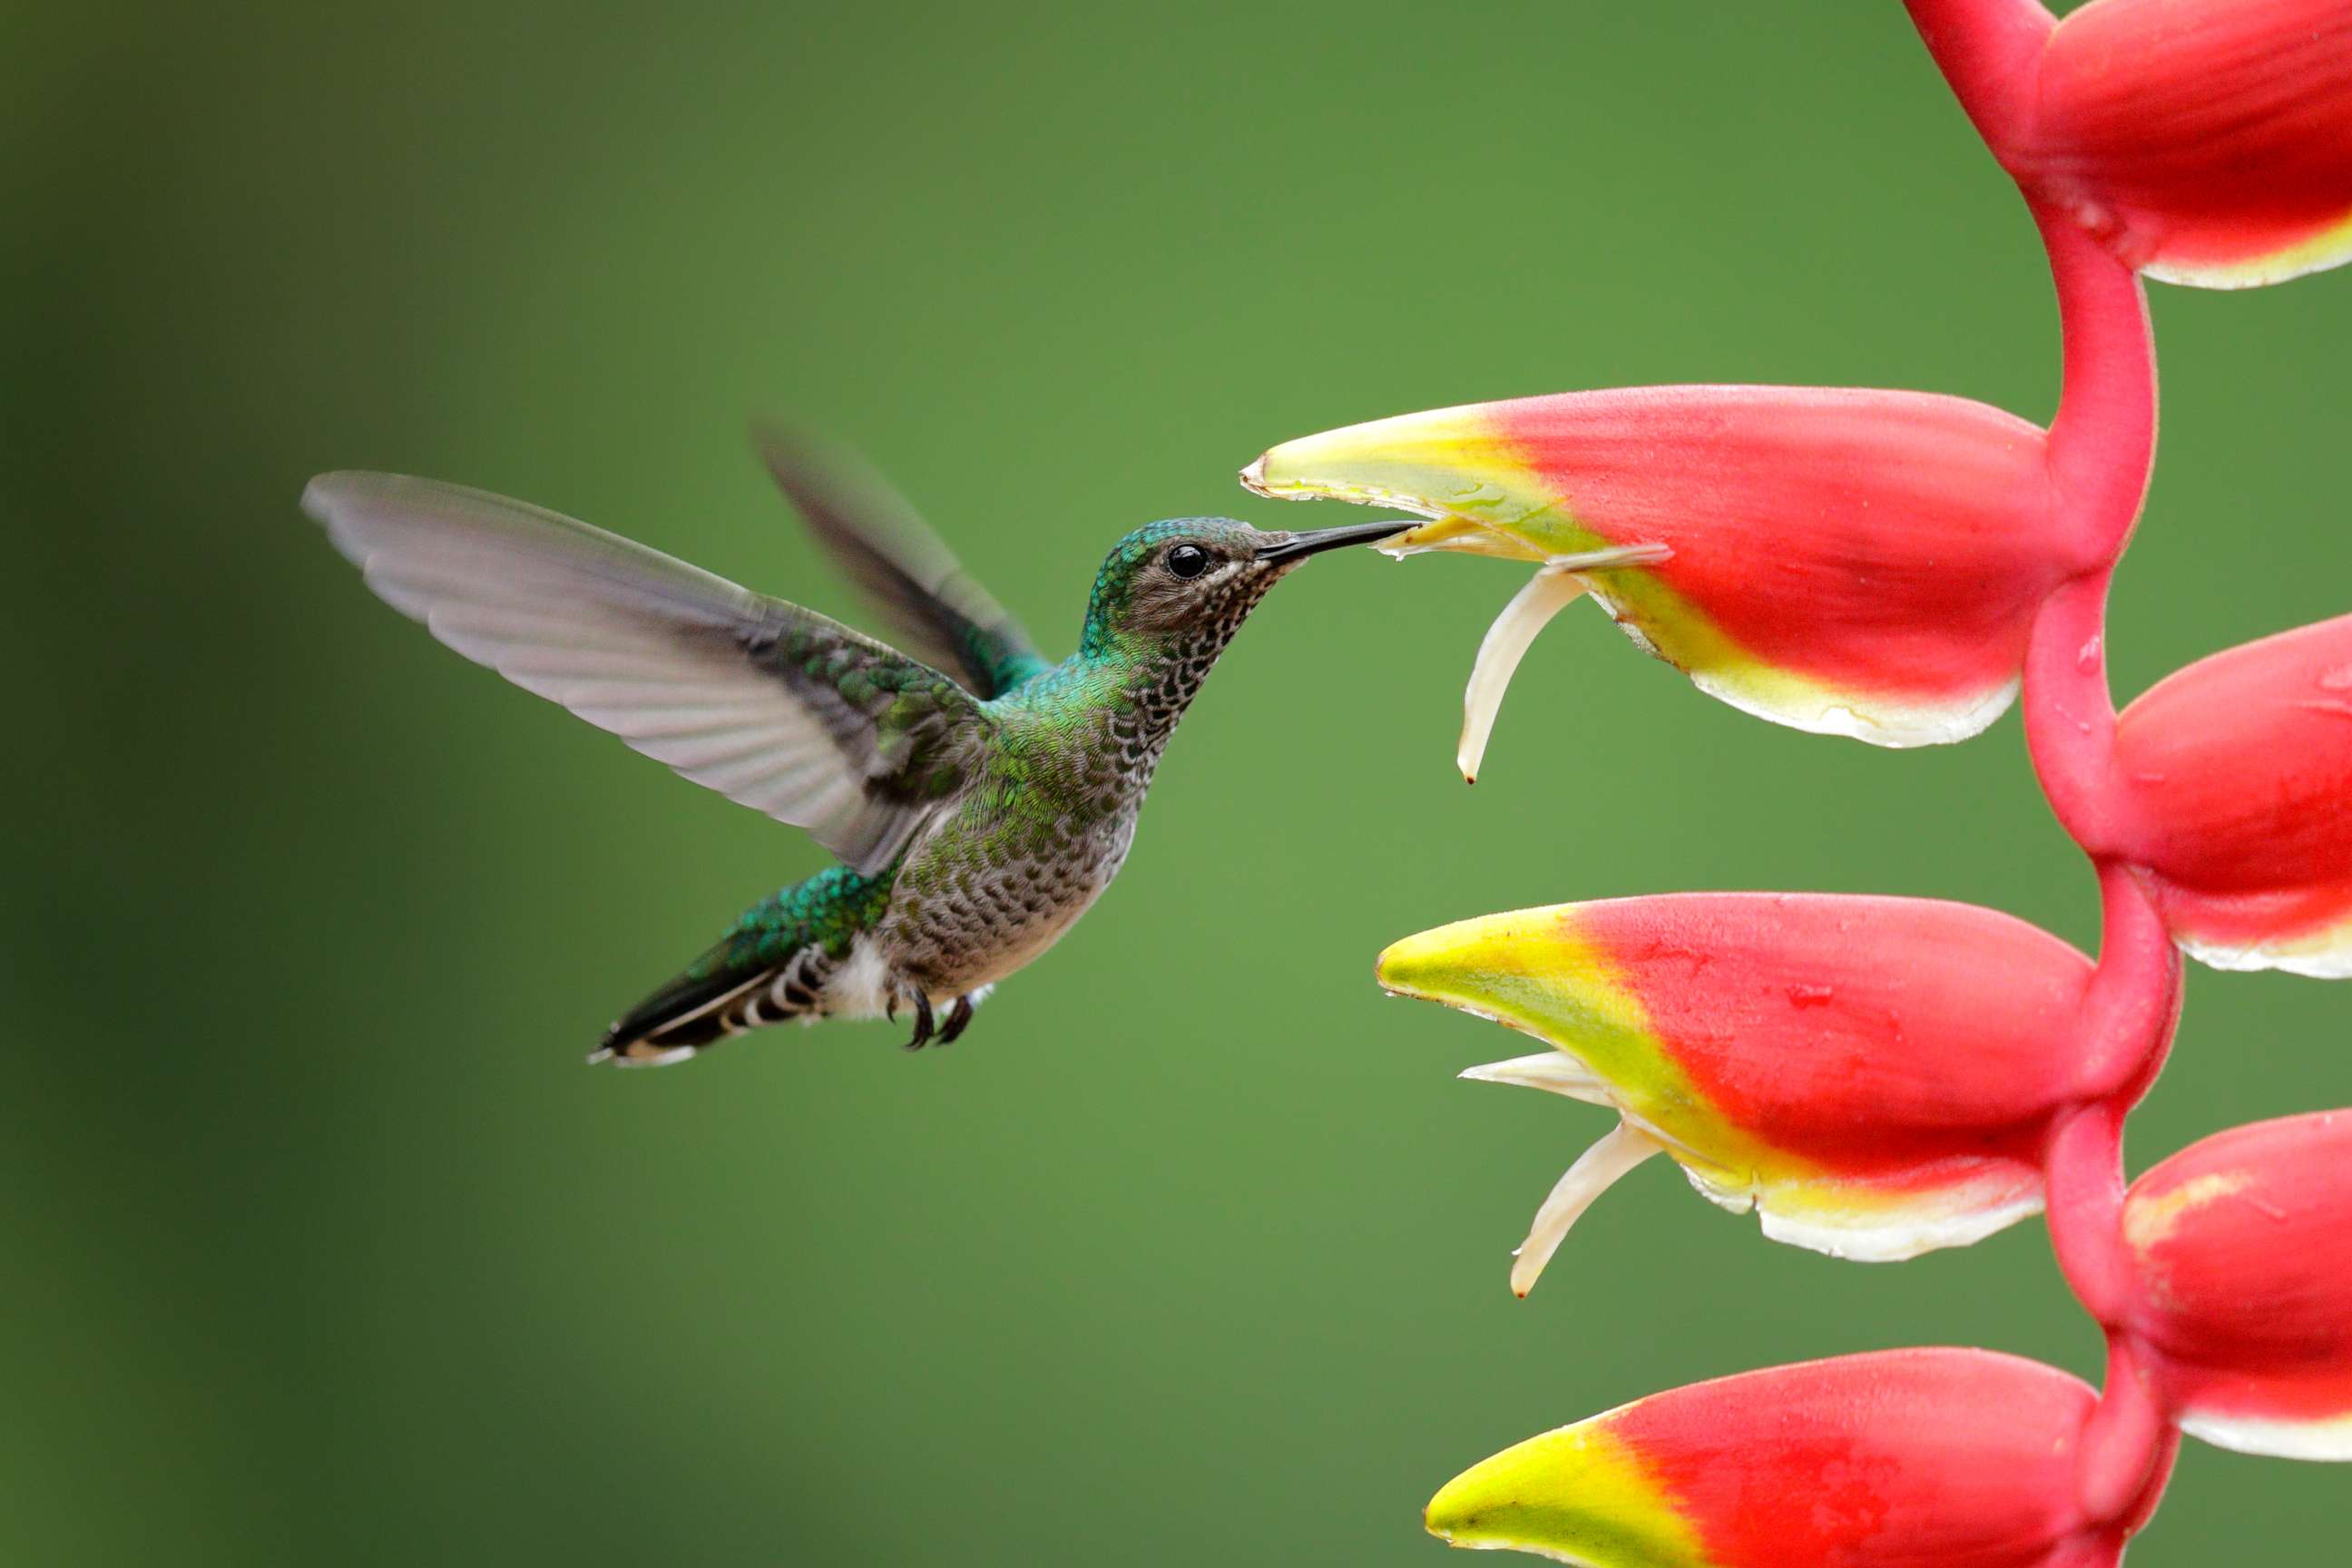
x,y
828,910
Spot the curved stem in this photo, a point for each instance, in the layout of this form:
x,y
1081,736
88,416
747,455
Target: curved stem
x,y
2133,1002
2102,451
2082,1176
1987,49
2126,1028
2102,448
2103,438
2069,720
2123,1441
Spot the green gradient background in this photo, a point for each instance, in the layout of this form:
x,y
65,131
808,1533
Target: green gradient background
x,y
320,1245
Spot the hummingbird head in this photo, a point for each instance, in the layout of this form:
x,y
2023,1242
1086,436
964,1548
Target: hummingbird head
x,y
1200,576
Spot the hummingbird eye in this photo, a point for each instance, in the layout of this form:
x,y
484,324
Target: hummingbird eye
x,y
1188,561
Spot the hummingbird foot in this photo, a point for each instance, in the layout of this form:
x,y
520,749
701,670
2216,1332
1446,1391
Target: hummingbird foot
x,y
958,1016
922,1021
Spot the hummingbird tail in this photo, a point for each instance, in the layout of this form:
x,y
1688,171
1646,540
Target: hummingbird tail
x,y
805,953
713,1001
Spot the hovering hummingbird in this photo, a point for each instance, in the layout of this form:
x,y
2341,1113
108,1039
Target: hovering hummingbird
x,y
980,800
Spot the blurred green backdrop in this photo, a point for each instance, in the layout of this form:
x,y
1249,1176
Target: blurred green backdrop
x,y
322,1246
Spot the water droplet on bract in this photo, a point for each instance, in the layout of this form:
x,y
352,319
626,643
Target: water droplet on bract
x,y
1810,995
2086,658
2337,679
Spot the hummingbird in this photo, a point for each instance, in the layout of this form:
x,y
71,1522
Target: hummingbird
x,y
978,797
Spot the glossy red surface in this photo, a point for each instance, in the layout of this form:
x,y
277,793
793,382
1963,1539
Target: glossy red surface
x,y
1895,541
1963,1459
2244,1242
1871,1034
2239,771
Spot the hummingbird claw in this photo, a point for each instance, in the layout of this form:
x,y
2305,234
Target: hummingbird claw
x,y
958,1016
922,1021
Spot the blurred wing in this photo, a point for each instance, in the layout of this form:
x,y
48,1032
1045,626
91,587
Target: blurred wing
x,y
769,704
880,541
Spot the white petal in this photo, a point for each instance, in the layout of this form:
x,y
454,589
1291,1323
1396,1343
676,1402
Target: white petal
x,y
1555,1072
1556,587
1595,1172
1551,591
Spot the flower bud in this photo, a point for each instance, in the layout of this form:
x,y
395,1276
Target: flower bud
x,y
2204,142
1863,563
2239,770
1912,1458
1874,1077
2244,1248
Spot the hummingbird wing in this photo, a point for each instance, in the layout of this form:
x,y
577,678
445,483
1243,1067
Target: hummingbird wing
x,y
770,704
878,539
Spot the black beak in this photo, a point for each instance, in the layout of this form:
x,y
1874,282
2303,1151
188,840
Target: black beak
x,y
1312,543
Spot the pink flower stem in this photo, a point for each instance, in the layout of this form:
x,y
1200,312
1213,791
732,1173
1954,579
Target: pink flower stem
x,y
2084,1190
2133,998
1988,50
2102,451
2126,1441
2103,441
2125,1438
2102,448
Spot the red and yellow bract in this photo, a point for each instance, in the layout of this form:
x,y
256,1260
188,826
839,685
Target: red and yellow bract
x,y
1875,1076
1855,562
1888,1461
1878,1076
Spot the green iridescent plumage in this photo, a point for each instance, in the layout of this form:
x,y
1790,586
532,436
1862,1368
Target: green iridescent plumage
x,y
980,802
825,912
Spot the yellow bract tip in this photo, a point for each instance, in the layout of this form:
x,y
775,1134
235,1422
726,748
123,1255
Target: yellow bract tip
x,y
1448,465
1577,1495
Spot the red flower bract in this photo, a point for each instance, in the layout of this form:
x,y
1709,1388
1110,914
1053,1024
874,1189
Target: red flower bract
x,y
1875,1076
1889,566
1914,1458
1853,561
2239,771
2206,141
2243,1247
2202,142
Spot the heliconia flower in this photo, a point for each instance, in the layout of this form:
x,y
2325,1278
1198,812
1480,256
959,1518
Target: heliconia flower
x,y
1873,1076
2203,141
1853,562
1912,1458
2239,770
2243,1247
